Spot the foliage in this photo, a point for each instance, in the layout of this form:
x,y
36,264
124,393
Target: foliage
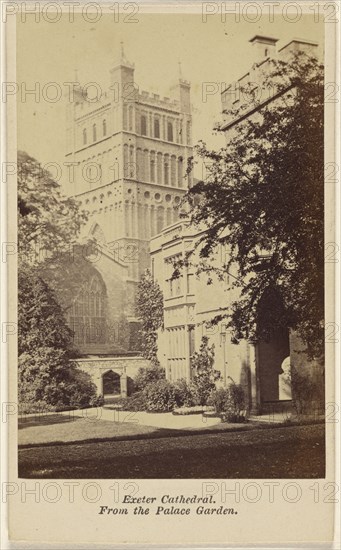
x,y
155,393
219,399
307,392
230,402
263,199
205,376
46,371
135,402
183,393
47,376
194,409
48,225
48,222
73,266
147,375
159,396
149,307
40,317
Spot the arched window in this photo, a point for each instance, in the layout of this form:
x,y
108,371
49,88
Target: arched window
x,y
140,164
156,128
152,170
173,170
188,132
266,52
84,136
180,172
159,219
159,168
143,125
94,132
170,131
132,163
87,318
145,164
104,127
166,172
130,118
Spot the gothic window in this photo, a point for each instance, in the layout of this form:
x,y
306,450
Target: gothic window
x,y
166,172
87,318
130,118
170,131
180,172
143,125
94,132
146,164
173,285
159,168
84,136
188,132
140,165
157,128
160,219
104,127
173,170
132,164
152,170
125,117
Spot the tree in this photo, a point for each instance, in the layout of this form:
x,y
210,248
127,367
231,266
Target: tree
x,y
149,307
263,198
40,317
205,376
48,222
47,374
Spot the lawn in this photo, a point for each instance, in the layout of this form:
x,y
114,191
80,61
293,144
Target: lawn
x,y
285,452
78,427
69,428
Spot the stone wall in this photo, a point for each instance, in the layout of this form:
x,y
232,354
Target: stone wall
x,y
125,367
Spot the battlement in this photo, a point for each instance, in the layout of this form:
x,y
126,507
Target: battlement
x,y
85,106
157,101
232,96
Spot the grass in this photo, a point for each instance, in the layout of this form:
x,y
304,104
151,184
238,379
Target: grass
x,y
284,452
60,428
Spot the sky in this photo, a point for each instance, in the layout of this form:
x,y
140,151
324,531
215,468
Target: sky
x,y
210,52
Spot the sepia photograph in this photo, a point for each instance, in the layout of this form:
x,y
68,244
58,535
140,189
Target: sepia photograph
x,y
171,244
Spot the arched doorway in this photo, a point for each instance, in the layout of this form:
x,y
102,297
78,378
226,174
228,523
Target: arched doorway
x,y
273,345
111,382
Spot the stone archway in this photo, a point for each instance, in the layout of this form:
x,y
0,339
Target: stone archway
x,y
111,383
271,354
273,345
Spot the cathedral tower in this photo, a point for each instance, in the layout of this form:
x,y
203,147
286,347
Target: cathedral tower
x,y
130,150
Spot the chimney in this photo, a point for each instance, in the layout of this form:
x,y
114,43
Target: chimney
x,y
264,47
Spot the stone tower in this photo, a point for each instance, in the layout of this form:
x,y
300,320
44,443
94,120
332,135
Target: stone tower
x,y
129,149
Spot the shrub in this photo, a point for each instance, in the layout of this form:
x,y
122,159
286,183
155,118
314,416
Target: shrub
x,y
205,376
147,375
136,402
307,392
219,399
149,308
37,407
46,372
198,409
230,402
80,391
47,376
160,396
183,393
